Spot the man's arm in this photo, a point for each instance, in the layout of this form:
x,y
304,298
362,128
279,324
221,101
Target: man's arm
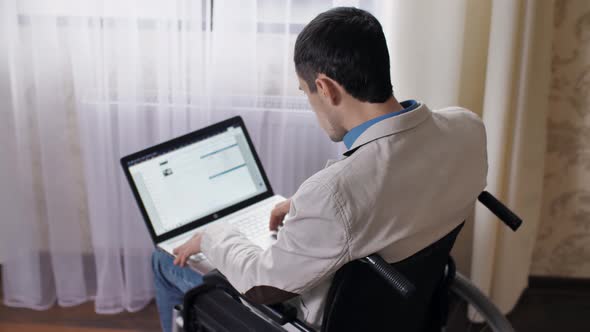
x,y
259,294
312,245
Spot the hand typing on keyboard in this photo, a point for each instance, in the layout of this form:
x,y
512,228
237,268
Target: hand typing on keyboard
x,y
277,215
189,248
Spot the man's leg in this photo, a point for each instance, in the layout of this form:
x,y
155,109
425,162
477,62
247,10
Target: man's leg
x,y
171,283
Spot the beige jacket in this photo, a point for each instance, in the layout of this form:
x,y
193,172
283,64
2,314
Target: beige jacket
x,y
406,182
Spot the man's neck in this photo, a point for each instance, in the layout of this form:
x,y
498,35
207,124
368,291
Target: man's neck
x,y
361,112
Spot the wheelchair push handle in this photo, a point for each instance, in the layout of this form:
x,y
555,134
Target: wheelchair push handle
x,y
500,210
397,280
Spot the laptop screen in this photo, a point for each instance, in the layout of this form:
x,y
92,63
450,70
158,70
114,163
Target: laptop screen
x,y
186,181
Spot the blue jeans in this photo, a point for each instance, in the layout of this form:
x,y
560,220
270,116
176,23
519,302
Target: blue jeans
x,y
171,283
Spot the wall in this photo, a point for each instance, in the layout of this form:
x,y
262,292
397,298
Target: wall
x,y
563,243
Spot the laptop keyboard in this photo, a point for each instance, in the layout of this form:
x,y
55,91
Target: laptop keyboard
x,y
255,224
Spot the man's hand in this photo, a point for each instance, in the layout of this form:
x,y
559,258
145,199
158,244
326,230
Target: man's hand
x,y
278,214
191,247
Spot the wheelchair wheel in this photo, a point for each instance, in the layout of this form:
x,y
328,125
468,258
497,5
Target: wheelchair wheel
x,y
466,294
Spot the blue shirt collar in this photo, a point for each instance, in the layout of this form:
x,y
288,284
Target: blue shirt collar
x,y
355,132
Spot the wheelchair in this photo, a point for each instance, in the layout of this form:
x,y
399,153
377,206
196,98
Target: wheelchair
x,y
368,294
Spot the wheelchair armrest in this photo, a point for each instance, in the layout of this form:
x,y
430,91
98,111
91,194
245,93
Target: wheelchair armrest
x,y
281,313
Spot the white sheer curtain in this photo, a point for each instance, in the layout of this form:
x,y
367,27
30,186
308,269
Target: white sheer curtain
x,y
86,82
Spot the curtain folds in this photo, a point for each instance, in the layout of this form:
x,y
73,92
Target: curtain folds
x,y
515,112
84,83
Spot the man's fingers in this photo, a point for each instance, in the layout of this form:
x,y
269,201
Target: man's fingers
x,y
180,253
273,223
278,214
183,260
180,258
276,219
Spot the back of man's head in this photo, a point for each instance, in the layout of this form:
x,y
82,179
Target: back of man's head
x,y
346,44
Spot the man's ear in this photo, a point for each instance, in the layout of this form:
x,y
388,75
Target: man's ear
x,y
328,89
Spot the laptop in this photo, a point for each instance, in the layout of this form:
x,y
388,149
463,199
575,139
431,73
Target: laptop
x,y
212,175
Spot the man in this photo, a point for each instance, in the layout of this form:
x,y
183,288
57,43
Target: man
x,y
409,177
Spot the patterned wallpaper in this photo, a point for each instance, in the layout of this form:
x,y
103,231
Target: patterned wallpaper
x,y
563,243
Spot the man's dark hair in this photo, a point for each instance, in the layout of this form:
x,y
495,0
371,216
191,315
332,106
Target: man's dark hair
x,y
346,44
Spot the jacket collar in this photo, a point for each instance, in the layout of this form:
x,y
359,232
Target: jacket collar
x,y
391,126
